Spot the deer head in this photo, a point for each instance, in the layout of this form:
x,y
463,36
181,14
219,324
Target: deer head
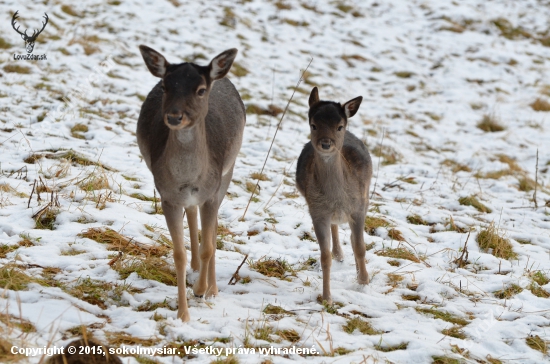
x,y
29,40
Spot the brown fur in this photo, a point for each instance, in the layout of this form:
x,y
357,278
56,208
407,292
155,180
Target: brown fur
x,y
333,174
190,140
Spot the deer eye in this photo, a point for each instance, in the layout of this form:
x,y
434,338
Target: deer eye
x,y
162,88
201,91
313,127
340,128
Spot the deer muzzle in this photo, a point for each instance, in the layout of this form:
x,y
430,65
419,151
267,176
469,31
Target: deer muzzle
x,y
176,121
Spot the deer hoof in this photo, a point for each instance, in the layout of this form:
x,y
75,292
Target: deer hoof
x,y
184,316
338,255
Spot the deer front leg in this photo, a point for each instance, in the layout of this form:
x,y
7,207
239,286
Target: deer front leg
x,y
322,232
212,285
174,220
358,245
337,252
192,222
209,215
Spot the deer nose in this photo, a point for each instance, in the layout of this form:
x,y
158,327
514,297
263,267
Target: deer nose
x,y
174,119
325,144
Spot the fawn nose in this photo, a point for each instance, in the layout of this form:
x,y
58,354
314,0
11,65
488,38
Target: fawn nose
x,y
325,144
174,119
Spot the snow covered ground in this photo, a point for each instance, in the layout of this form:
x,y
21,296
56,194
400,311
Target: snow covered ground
x,y
433,75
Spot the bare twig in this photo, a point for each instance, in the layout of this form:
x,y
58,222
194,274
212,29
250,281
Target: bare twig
x,y
30,197
274,136
235,276
379,157
463,259
536,181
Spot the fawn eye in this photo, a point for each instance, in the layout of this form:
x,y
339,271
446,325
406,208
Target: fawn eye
x,y
201,91
162,88
340,128
313,127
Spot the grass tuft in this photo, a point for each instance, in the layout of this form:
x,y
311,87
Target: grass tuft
x,y
289,335
443,315
398,253
489,123
386,349
373,223
277,268
276,310
15,68
361,325
446,360
508,292
474,202
78,129
455,331
14,278
490,238
536,343
417,220
540,105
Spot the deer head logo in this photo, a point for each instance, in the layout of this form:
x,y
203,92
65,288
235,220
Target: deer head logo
x,y
29,40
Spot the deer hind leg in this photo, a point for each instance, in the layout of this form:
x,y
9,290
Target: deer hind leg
x,y
209,216
322,232
192,222
174,220
358,245
337,252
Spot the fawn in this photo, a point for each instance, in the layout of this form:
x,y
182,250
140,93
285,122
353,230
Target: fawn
x,y
333,174
189,132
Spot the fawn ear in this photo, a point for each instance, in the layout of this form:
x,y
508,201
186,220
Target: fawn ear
x,y
155,61
314,97
351,107
220,65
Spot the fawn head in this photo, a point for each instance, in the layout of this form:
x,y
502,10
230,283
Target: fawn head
x,y
186,86
328,121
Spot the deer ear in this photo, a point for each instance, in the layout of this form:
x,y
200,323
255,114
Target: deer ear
x,y
351,107
221,64
156,63
314,97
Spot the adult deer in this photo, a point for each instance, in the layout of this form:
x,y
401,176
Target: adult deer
x,y
333,173
189,132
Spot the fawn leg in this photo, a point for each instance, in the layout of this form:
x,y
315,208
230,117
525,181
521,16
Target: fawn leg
x,y
358,245
209,215
322,232
192,222
212,285
174,220
337,252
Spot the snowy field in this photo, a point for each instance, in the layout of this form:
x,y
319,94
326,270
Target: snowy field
x,y
455,115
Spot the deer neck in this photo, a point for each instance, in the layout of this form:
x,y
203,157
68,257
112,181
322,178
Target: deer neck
x,y
186,153
329,170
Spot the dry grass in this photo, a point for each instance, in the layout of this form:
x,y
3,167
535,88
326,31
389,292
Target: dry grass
x,y
6,249
446,360
386,349
289,335
489,123
443,315
474,202
536,343
417,220
538,290
361,325
15,68
455,166
153,268
276,310
507,30
24,325
277,268
118,242
373,223
78,129
260,176
455,331
46,218
540,105
117,339
500,247
508,292
398,253
388,154
395,234
13,277
94,181
92,291
526,184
